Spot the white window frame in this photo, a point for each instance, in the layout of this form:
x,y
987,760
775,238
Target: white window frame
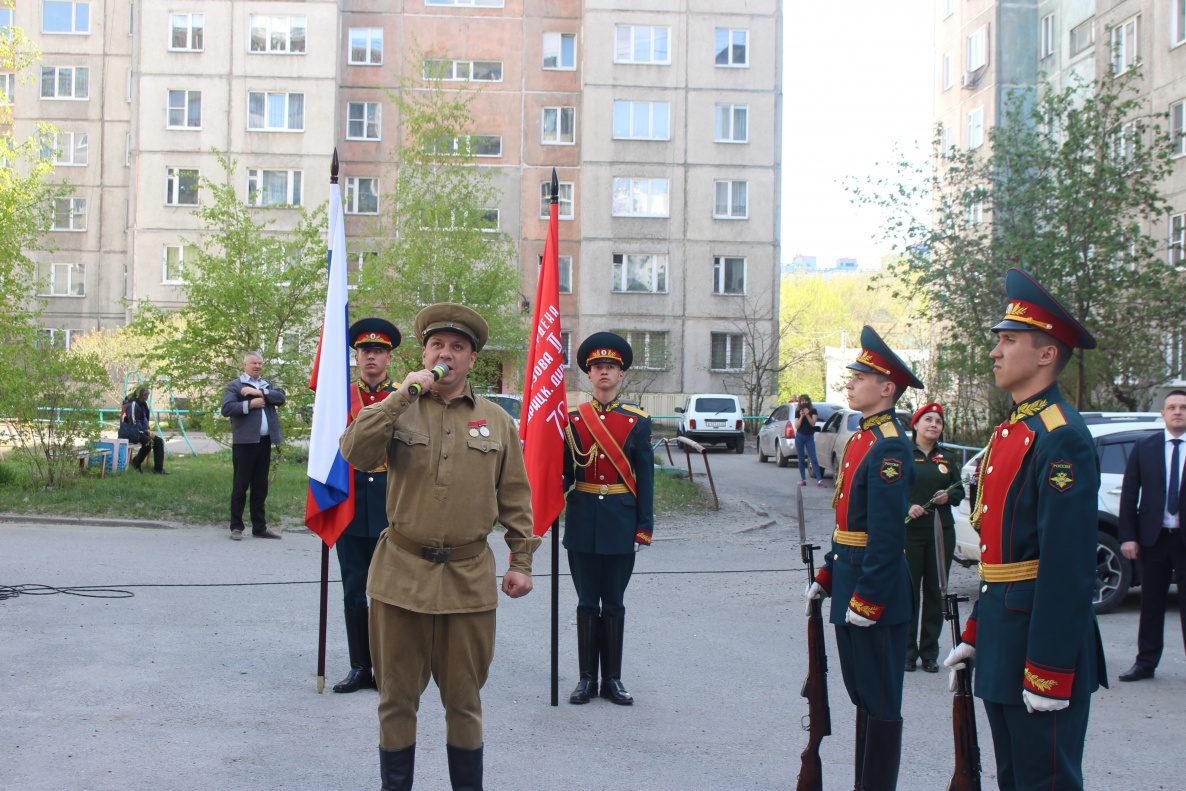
x,y
255,187
7,89
356,261
188,97
47,279
975,130
564,271
6,17
173,185
731,35
1177,128
720,267
640,341
374,44
179,274
1120,37
730,347
628,191
490,138
553,47
729,113
1178,23
466,3
459,70
54,145
620,271
75,7
69,334
566,348
266,21
948,69
352,193
948,8
1046,37
194,26
1077,35
1177,240
947,139
366,121
978,49
567,199
559,113
627,34
76,212
267,97
75,72
731,188
650,111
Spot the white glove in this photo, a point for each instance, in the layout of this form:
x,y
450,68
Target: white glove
x,y
957,660
814,591
639,545
854,618
1040,703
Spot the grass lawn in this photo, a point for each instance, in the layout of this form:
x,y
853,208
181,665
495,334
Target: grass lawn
x,y
199,492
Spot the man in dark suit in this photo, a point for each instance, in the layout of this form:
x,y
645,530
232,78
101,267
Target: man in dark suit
x,y
250,402
1151,505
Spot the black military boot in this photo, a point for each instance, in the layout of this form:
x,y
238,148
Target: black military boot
x,y
611,662
862,727
395,768
883,753
587,650
465,768
358,641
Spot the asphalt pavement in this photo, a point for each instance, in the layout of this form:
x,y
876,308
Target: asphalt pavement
x,y
205,677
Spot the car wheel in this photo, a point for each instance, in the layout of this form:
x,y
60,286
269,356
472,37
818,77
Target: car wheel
x,y
739,445
762,457
783,461
835,466
1113,574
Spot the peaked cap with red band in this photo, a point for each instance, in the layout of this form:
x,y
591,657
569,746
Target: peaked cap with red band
x,y
931,407
373,332
876,357
1031,307
604,347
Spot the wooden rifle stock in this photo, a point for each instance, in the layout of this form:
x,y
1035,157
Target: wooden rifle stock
x,y
963,712
815,689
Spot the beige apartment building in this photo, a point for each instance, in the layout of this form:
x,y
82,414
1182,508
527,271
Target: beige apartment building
x,y
663,119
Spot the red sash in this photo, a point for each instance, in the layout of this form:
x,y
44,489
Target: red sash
x,y
613,451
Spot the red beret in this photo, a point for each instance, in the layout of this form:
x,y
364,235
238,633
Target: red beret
x,y
931,407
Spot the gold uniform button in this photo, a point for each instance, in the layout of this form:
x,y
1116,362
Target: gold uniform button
x,y
990,469
604,487
1004,432
984,547
984,510
1027,440
372,480
984,589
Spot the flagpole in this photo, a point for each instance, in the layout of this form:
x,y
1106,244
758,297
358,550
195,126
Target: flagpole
x,y
556,613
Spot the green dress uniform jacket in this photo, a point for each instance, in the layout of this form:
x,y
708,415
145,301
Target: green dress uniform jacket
x,y
447,487
935,472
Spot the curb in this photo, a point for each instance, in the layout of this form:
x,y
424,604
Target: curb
x,y
89,521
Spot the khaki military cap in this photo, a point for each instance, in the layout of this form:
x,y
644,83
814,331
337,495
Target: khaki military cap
x,y
455,318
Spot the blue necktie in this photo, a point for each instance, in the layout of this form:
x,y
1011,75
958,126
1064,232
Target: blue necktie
x,y
1171,496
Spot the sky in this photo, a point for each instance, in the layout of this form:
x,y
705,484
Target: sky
x,y
857,80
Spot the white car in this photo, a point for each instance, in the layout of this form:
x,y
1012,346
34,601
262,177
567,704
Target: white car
x,y
1115,434
712,418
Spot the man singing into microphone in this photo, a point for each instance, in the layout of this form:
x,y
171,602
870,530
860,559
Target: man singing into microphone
x,y
456,468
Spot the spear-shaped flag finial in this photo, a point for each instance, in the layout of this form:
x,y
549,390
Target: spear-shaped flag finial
x,y
555,187
333,168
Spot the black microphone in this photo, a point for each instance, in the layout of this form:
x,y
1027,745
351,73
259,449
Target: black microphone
x,y
438,370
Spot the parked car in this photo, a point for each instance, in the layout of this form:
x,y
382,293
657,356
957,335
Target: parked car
x,y
777,436
713,418
513,404
831,439
1115,435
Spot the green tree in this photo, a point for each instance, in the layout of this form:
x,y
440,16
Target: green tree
x,y
250,287
437,238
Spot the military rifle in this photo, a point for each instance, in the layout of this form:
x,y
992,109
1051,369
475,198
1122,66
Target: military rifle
x,y
815,686
963,707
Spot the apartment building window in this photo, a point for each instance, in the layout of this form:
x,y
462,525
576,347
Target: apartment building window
x,y
560,51
6,19
732,48
566,348
176,257
1178,127
635,197
276,112
60,338
187,33
558,126
181,187
61,280
564,265
975,128
1046,37
460,70
472,3
641,273
486,220
7,86
641,120
947,139
366,46
356,262
564,204
1178,22
1082,36
635,44
948,8
273,187
948,69
650,348
730,200
978,49
362,195
66,149
485,145
65,82
70,214
728,351
362,121
58,16
277,34
1124,45
728,275
185,110
1177,244
732,123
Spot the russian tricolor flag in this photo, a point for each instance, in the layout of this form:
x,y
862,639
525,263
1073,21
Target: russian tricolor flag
x,y
329,506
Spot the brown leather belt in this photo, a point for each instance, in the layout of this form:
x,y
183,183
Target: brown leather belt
x,y
437,554
850,539
1008,572
604,488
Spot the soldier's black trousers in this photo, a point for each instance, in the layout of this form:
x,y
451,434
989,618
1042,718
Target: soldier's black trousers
x,y
601,582
354,559
1042,751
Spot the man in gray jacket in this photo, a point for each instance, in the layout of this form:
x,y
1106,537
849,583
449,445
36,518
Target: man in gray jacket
x,y
250,402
